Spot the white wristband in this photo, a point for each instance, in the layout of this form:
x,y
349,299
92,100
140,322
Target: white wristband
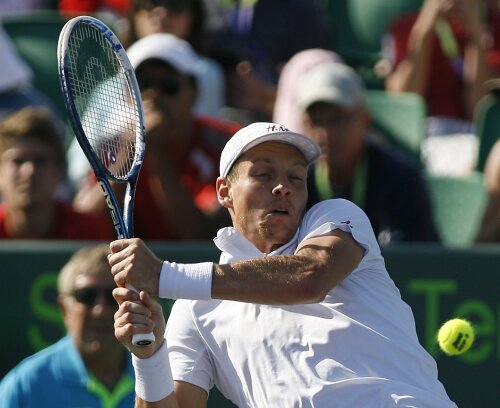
x,y
186,281
153,377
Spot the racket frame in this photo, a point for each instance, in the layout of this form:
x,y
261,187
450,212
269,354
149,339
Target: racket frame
x,y
122,221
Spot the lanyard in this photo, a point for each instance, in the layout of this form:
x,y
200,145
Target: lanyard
x,y
358,186
449,45
111,399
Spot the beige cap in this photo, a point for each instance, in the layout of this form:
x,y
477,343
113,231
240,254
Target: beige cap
x,y
331,82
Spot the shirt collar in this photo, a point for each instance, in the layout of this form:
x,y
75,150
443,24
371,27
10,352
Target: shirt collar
x,y
235,247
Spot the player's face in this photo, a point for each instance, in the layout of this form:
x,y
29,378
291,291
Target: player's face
x,y
88,315
29,174
267,197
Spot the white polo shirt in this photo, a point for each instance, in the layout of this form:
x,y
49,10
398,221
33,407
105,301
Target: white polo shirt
x,y
357,348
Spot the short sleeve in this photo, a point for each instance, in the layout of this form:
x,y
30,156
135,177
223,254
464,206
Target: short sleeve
x,y
328,215
189,358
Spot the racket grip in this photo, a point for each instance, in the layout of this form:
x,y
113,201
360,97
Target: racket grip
x,y
141,339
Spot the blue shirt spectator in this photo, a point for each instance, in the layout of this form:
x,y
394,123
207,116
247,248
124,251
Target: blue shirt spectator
x,y
57,377
88,367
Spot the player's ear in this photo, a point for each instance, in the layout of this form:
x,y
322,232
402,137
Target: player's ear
x,y
223,187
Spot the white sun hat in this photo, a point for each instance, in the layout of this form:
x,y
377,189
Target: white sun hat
x,y
260,132
167,48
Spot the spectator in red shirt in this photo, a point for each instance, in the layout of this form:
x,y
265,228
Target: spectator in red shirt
x,y
32,167
176,197
72,8
445,52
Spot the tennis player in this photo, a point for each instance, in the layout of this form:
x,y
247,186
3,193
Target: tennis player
x,y
299,312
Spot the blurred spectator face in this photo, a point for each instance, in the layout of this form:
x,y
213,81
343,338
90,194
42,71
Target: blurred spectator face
x,y
29,174
32,158
88,312
339,131
166,90
163,16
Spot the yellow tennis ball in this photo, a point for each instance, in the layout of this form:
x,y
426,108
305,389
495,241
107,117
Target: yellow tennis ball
x,y
455,336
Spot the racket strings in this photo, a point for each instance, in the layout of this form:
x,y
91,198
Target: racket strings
x,y
104,100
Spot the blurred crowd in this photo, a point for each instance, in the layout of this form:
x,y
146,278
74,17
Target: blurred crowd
x,y
206,68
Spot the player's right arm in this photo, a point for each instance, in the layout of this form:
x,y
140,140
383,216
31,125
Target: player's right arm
x,y
135,317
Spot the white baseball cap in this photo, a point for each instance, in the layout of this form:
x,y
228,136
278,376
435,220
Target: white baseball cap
x,y
167,48
260,132
331,82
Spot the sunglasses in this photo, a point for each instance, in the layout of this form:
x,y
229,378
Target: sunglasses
x,y
88,296
166,85
173,5
336,121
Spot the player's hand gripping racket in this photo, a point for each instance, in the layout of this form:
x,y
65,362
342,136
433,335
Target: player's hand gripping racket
x,y
105,109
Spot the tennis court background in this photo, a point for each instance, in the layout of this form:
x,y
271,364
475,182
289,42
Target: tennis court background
x,y
437,283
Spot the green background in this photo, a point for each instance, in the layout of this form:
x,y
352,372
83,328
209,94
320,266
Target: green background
x,y
437,283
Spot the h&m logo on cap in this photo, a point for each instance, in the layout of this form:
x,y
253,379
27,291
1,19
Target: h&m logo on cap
x,y
277,128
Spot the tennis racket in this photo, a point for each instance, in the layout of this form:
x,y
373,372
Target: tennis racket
x,y
105,109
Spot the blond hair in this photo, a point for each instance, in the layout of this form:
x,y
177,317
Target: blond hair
x,y
90,261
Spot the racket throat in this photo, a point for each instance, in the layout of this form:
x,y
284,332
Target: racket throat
x,y
121,232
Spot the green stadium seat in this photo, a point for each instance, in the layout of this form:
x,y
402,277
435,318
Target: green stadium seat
x,y
458,204
401,118
357,28
487,119
35,36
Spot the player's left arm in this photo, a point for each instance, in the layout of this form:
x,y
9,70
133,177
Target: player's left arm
x,y
319,264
